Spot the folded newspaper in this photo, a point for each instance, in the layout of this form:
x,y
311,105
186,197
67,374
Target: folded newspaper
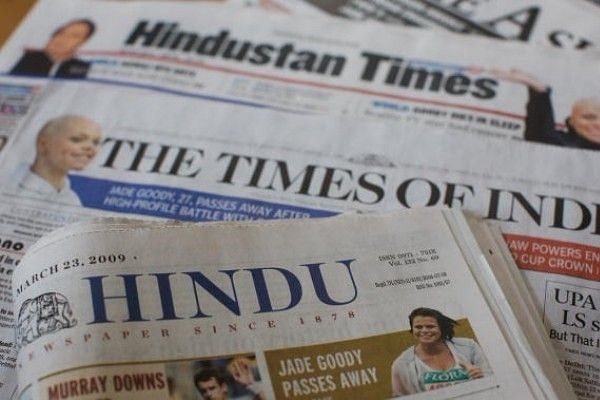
x,y
359,306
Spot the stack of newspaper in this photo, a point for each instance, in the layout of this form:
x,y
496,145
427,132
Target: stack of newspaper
x,y
266,110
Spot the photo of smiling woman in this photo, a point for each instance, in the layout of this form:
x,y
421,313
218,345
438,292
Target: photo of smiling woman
x,y
63,144
438,359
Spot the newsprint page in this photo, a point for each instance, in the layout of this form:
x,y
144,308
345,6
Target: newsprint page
x,y
547,22
299,65
311,309
188,113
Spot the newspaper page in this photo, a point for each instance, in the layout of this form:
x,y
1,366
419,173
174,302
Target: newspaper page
x,y
176,138
334,308
285,6
16,101
201,161
571,24
304,66
295,7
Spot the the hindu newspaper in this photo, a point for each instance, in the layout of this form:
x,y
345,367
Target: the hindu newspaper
x,y
330,308
570,24
303,65
193,160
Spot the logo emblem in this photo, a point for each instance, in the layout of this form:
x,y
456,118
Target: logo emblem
x,y
47,313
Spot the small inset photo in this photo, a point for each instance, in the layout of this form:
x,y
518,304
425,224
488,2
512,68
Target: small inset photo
x,y
437,358
228,378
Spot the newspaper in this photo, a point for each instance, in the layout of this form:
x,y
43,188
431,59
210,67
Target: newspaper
x,y
16,101
246,167
334,308
195,140
304,66
551,22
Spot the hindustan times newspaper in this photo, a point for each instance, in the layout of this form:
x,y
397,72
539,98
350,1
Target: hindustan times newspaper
x,y
326,308
303,65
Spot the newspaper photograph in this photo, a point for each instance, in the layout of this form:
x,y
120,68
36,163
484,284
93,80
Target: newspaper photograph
x,y
276,310
296,66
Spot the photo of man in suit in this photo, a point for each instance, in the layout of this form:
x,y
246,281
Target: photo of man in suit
x,y
57,58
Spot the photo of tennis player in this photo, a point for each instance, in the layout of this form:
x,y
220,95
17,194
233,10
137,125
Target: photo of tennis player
x,y
437,359
228,378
